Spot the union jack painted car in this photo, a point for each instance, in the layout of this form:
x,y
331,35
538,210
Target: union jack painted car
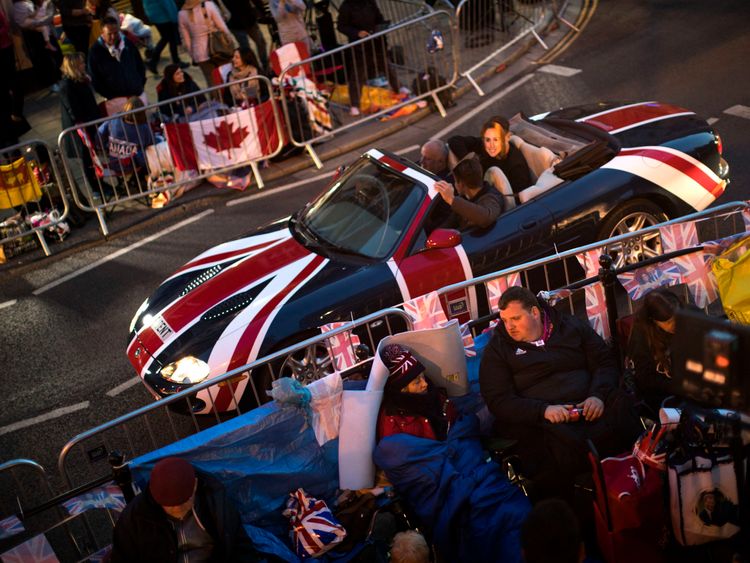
x,y
371,240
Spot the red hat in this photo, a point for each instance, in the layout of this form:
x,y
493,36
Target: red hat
x,y
172,481
402,365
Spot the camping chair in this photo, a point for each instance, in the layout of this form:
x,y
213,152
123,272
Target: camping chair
x,y
112,173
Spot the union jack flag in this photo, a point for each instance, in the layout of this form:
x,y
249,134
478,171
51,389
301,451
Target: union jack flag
x,y
100,556
341,346
498,286
693,267
596,309
107,496
35,550
314,527
641,281
468,340
426,311
596,304
10,526
746,218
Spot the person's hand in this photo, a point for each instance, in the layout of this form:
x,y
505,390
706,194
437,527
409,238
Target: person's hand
x,y
593,408
446,191
188,110
557,413
362,34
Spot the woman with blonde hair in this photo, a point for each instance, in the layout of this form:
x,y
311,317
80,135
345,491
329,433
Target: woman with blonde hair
x,y
127,136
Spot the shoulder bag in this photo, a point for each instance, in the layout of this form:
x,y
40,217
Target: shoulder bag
x,y
220,45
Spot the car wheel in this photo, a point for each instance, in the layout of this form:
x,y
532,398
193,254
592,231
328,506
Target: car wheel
x,y
307,365
631,217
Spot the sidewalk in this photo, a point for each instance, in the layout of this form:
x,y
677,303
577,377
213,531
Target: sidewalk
x,y
43,112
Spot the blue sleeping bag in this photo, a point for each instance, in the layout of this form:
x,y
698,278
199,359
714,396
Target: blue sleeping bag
x,y
473,512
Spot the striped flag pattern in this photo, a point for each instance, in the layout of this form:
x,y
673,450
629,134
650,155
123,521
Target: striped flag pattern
x,y
341,346
596,304
10,526
498,286
641,281
426,311
696,274
314,527
35,550
107,496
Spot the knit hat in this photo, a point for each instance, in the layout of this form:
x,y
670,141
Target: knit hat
x,y
402,366
172,481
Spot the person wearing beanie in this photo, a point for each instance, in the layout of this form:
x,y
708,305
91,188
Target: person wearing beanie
x,y
182,515
412,404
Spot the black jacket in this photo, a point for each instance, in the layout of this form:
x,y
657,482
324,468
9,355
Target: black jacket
x,y
143,532
113,79
480,211
359,15
652,381
518,380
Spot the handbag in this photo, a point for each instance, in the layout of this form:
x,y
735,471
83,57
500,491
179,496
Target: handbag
x,y
220,45
731,270
704,499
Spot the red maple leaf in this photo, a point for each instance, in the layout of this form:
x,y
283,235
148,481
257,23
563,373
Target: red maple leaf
x,y
226,138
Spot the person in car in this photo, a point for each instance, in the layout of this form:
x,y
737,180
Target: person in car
x,y
182,515
502,163
539,366
473,202
434,159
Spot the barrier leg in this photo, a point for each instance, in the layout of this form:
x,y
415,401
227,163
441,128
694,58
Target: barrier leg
x,y
314,156
43,243
474,83
102,223
539,39
439,104
256,174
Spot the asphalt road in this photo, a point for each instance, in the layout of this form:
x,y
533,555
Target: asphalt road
x,y
63,345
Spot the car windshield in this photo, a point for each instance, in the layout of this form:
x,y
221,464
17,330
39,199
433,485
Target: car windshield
x,y
364,213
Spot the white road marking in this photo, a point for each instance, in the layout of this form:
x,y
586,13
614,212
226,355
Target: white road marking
x,y
8,303
122,251
559,70
712,120
468,115
739,111
57,413
123,386
297,184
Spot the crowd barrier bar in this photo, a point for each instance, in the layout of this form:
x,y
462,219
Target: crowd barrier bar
x,y
725,211
163,405
479,23
31,191
105,175
346,69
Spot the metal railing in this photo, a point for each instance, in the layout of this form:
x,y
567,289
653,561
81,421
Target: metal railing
x,y
210,133
487,28
155,425
31,188
712,224
369,78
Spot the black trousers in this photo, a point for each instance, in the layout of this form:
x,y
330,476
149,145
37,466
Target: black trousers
x,y
168,34
78,36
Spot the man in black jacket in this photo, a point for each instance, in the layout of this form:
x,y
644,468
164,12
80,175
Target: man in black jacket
x,y
538,367
182,515
115,65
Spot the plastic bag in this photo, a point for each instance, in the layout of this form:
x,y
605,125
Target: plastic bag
x,y
315,529
290,391
732,270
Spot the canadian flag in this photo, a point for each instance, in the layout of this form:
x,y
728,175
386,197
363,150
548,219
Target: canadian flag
x,y
223,142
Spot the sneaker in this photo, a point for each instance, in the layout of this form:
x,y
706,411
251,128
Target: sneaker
x,y
354,111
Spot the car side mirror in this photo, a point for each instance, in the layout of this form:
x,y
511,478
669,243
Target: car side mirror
x,y
338,173
443,238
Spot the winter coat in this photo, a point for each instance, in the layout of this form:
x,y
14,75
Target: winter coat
x,y
112,78
479,211
177,109
653,383
196,24
396,421
518,380
160,11
144,534
126,140
77,105
359,15
471,509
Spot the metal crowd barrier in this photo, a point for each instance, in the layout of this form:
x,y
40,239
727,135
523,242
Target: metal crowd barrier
x,y
541,274
488,28
398,11
84,457
369,78
32,198
218,132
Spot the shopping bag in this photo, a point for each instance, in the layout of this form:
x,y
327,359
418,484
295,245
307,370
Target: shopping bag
x,y
315,529
704,502
634,493
732,270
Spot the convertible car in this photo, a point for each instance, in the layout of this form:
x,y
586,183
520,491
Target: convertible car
x,y
372,239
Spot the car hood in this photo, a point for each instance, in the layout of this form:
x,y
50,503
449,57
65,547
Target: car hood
x,y
227,295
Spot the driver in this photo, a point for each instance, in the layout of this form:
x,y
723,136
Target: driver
x,y
477,204
366,187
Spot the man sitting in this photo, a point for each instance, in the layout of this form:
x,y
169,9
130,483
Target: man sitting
x,y
476,204
181,516
434,158
537,368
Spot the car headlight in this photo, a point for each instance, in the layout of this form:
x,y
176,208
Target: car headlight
x,y
186,371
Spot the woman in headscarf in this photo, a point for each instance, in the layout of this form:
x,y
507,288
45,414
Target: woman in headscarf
x,y
197,20
177,82
412,404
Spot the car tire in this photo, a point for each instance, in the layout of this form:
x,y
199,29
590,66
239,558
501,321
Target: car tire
x,y
634,215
